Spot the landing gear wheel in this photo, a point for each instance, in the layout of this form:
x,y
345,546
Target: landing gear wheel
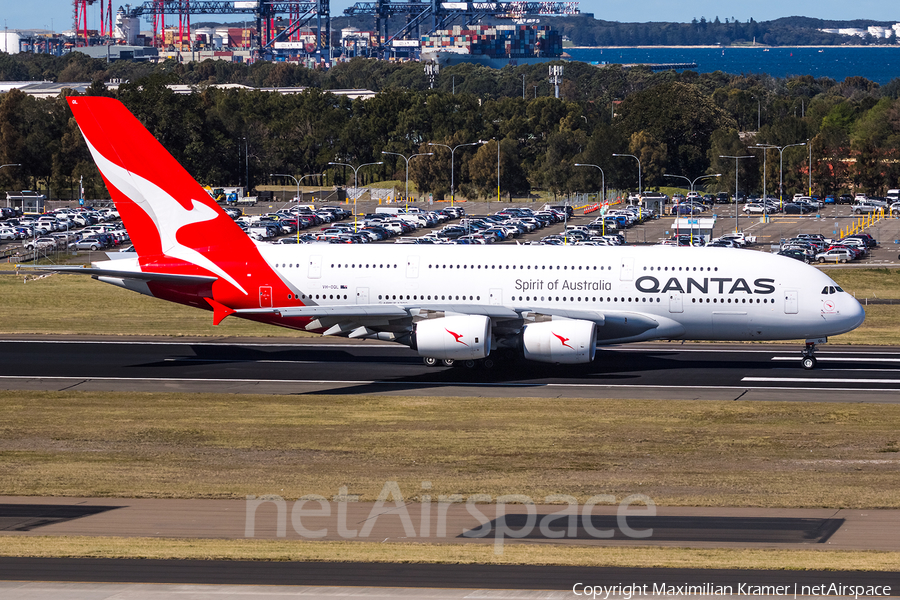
x,y
448,362
488,363
470,364
430,362
809,361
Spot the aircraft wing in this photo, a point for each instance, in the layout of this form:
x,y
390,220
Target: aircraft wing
x,y
362,320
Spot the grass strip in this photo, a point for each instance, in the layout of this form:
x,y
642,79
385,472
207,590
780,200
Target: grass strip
x,y
78,305
513,553
680,453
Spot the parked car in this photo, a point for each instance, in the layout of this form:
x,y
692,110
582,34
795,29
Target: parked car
x,y
8,233
41,243
866,237
868,206
840,255
796,254
89,243
757,209
797,208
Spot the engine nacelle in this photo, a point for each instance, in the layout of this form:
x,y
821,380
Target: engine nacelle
x,y
459,338
565,341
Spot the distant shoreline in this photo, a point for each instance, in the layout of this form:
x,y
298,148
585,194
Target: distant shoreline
x,y
714,47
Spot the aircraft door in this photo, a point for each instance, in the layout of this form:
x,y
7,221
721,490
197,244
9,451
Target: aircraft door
x,y
315,267
362,295
676,305
496,296
265,296
790,302
412,267
626,272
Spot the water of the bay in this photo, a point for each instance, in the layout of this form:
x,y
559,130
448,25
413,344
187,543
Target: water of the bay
x,y
876,63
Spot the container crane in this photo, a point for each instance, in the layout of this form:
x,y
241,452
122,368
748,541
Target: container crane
x,y
438,15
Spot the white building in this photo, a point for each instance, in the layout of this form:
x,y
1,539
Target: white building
x,y
876,31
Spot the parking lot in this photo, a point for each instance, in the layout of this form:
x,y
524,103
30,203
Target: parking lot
x,y
770,231
60,233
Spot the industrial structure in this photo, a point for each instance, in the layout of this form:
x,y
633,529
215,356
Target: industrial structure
x,y
286,30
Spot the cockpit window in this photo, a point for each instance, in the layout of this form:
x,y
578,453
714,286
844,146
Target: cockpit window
x,y
838,289
831,289
825,290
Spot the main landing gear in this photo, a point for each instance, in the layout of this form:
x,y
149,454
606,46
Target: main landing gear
x,y
809,360
486,363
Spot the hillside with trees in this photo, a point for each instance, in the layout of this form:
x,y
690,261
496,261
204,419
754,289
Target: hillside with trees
x,y
584,30
676,123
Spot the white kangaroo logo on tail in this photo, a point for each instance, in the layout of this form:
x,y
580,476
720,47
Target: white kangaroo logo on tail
x,y
167,214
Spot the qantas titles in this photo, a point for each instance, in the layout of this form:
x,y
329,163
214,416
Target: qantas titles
x,y
651,285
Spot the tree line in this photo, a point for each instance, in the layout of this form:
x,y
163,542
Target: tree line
x,y
674,123
790,31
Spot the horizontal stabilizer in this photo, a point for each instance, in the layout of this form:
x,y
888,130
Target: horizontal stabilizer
x,y
220,311
139,275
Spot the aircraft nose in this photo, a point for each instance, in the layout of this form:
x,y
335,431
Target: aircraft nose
x,y
853,314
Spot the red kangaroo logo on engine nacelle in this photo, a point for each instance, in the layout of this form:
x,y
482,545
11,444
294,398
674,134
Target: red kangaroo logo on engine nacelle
x,y
562,340
457,336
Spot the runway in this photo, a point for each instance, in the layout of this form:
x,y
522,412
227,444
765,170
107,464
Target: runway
x,y
302,366
205,579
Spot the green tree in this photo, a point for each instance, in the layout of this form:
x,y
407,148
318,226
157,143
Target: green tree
x,y
678,116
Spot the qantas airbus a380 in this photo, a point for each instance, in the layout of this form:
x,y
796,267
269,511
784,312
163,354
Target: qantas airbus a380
x,y
552,304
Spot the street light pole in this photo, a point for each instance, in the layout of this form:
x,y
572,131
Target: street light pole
x,y
407,159
355,185
809,143
736,214
247,165
298,193
297,181
695,180
640,184
692,182
781,150
452,151
764,148
602,180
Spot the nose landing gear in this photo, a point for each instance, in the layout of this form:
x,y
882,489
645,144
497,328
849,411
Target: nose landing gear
x,y
808,360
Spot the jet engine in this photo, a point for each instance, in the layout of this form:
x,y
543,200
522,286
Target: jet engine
x,y
564,341
458,338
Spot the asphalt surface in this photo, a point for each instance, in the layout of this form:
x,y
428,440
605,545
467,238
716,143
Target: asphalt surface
x,y
500,524
653,370
487,577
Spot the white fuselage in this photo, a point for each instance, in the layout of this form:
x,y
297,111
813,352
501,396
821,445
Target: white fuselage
x,y
694,293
